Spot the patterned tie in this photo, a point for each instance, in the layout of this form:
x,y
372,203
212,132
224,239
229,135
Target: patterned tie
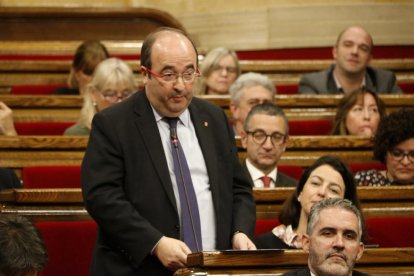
x,y
190,216
266,181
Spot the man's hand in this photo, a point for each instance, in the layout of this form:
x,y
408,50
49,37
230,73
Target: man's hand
x,y
172,253
6,121
242,242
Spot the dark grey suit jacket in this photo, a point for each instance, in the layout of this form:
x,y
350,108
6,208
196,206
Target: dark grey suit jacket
x,y
8,179
323,82
282,180
306,272
128,191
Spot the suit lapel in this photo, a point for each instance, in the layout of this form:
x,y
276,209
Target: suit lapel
x,y
147,127
204,132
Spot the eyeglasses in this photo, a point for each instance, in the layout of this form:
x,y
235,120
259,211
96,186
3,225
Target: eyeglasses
x,y
188,76
399,155
220,68
260,137
113,96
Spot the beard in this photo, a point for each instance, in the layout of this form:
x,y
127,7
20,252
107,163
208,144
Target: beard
x,y
323,265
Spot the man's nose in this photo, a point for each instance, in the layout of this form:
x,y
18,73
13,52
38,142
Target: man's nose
x,y
179,83
338,241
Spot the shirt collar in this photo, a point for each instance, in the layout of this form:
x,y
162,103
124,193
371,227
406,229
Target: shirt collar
x,y
184,117
338,84
256,174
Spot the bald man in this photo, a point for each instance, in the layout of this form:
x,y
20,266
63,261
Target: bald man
x,y
351,71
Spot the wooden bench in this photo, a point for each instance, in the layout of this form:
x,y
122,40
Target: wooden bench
x,y
55,71
375,261
22,151
60,108
67,204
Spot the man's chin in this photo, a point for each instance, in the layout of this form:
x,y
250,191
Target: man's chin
x,y
334,268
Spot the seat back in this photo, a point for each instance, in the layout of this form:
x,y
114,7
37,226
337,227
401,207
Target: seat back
x,y
34,89
291,170
51,177
310,127
391,231
70,246
42,128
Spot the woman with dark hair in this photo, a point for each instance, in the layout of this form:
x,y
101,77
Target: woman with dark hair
x,y
327,177
87,56
358,113
394,147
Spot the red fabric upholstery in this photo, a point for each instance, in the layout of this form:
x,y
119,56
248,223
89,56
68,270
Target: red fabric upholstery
x,y
310,127
407,87
42,128
34,89
379,51
291,170
51,177
366,166
70,246
265,225
391,231
287,89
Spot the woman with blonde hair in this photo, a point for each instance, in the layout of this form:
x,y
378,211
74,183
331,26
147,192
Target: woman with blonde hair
x,y
219,69
112,82
87,56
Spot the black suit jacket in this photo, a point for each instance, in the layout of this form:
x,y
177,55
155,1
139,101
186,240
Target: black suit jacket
x,y
282,180
306,272
128,191
323,82
8,179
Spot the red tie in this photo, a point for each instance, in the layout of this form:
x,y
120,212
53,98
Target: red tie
x,y
266,181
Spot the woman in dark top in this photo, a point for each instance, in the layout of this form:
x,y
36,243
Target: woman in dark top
x,y
327,177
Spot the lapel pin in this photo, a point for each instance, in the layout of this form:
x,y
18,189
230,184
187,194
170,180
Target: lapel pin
x,y
206,124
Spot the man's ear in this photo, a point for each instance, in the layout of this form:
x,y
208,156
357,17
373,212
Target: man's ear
x,y
144,73
361,251
243,137
334,49
305,242
234,109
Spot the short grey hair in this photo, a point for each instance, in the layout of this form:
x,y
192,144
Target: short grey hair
x,y
329,203
249,80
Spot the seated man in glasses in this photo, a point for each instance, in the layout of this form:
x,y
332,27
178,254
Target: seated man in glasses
x,y
250,89
265,138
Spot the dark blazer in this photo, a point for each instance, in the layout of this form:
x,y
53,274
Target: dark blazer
x,y
306,272
128,191
323,82
282,180
8,179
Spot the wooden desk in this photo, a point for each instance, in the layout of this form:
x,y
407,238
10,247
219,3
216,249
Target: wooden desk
x,y
20,151
67,204
52,108
375,261
375,201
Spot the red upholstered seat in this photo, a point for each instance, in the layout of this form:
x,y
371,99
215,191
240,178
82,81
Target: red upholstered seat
x,y
291,170
42,128
287,89
265,225
51,177
391,231
35,89
310,127
69,245
407,87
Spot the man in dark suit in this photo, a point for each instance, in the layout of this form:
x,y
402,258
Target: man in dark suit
x,y
265,137
128,179
352,54
333,239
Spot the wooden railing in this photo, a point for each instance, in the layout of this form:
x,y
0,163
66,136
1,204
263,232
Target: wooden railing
x,y
21,151
67,204
51,108
375,261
